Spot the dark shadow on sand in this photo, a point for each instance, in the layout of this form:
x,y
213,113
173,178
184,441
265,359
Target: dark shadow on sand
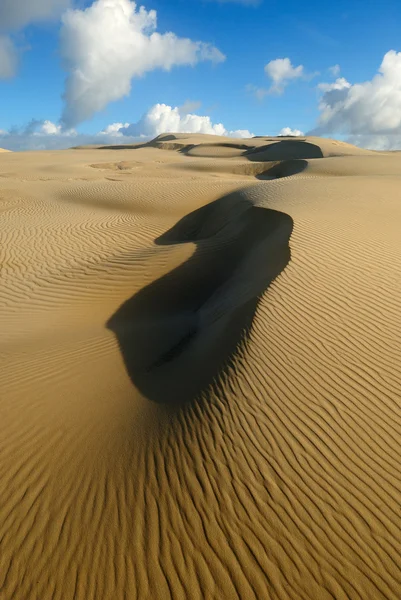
x,y
284,168
284,150
233,146
180,332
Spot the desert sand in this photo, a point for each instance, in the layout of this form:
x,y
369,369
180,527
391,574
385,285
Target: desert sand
x,y
200,385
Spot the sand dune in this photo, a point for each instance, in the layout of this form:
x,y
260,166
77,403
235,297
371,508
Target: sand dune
x,y
200,384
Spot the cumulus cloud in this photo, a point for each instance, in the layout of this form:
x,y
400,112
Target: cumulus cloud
x,y
50,128
115,129
369,112
16,14
287,131
340,84
161,118
281,71
105,46
240,133
364,110
8,57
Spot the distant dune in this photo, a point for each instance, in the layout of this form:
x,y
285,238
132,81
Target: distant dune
x,y
200,371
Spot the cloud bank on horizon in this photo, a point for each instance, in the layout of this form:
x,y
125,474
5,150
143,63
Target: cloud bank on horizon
x,y
161,118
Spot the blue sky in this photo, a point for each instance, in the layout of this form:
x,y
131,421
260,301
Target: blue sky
x,y
354,34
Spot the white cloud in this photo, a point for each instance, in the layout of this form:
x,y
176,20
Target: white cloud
x,y
340,84
114,129
105,46
281,71
335,70
16,14
240,133
8,57
365,109
287,131
50,128
162,118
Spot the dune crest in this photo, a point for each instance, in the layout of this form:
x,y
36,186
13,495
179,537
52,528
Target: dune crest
x,y
200,385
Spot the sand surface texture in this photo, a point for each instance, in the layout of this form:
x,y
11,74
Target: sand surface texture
x,y
200,387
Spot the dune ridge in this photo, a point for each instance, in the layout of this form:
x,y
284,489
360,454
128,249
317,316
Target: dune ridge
x,y
200,385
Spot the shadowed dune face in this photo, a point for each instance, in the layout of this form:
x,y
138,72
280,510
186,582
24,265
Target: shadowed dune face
x,y
284,168
191,320
289,149
285,150
222,150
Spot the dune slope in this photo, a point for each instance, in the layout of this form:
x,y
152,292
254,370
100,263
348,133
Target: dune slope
x,y
200,384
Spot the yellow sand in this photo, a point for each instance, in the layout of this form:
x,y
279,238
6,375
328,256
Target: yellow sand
x,y
200,385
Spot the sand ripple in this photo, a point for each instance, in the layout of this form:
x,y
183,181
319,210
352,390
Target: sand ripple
x,y
200,372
